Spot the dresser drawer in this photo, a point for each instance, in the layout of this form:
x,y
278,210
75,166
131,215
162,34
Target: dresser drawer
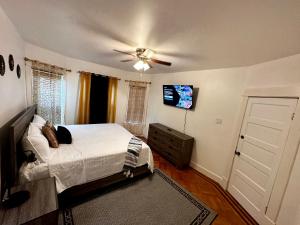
x,y
175,143
159,147
159,137
171,157
173,150
154,132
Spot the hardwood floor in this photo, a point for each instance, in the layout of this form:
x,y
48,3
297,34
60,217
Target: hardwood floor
x,y
206,190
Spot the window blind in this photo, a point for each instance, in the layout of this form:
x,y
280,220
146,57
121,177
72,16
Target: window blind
x,y
49,92
136,108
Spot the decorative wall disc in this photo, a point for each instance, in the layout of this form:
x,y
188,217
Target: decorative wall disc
x,y
18,71
2,66
11,62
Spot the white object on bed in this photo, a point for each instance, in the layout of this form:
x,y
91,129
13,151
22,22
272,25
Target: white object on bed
x,y
35,141
38,119
97,151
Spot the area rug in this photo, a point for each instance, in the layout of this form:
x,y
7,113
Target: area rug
x,y
154,200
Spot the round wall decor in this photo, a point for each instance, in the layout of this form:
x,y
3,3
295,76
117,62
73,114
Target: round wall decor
x,y
2,66
11,62
18,71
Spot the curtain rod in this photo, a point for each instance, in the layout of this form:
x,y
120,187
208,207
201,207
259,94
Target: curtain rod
x,y
36,61
144,82
80,71
44,71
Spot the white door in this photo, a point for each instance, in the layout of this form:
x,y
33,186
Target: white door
x,y
262,141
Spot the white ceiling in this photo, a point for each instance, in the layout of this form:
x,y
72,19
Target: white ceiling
x,y
192,34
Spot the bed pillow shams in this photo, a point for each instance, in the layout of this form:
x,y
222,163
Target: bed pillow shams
x,y
51,136
38,119
51,126
33,140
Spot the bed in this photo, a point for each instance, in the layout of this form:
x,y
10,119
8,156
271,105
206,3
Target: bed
x,y
93,161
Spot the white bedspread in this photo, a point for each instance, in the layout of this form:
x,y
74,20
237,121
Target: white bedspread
x,y
97,151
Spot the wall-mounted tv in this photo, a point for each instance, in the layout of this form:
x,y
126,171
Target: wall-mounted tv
x,y
180,96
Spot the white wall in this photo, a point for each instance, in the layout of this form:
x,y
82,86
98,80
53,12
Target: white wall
x,y
219,98
12,89
72,78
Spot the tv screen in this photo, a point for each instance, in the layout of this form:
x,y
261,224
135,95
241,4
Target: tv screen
x,y
178,95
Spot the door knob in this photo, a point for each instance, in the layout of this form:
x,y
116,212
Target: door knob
x,y
237,153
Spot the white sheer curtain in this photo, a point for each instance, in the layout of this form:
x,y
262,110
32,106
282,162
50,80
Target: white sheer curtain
x,y
137,107
48,91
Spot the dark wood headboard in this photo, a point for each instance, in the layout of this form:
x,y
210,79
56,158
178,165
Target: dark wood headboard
x,y
17,129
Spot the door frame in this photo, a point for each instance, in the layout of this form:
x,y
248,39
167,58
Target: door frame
x,y
289,152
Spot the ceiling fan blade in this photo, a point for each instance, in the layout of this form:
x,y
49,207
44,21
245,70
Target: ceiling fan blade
x,y
126,60
161,62
127,53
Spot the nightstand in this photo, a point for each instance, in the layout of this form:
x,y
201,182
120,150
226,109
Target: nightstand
x,y
40,209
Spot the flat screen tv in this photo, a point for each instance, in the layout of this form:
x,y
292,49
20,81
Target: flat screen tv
x,y
180,96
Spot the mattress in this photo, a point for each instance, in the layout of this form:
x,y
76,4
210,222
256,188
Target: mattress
x,y
97,151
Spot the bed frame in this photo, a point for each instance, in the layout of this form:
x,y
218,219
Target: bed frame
x,y
75,193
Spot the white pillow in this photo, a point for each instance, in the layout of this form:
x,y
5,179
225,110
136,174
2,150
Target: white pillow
x,y
35,129
38,119
35,141
39,125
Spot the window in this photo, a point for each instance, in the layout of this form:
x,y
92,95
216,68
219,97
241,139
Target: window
x,y
136,109
49,92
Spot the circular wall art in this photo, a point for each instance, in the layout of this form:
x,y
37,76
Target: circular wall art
x,y
11,62
18,71
2,66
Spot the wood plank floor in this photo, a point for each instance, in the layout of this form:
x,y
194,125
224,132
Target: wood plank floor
x,y
204,190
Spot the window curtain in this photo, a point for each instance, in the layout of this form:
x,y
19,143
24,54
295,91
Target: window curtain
x,y
48,91
98,99
136,109
112,99
83,111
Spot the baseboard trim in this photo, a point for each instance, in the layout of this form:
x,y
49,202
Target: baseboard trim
x,y
208,173
234,203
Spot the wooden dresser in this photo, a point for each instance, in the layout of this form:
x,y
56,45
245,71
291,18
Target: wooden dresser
x,y
173,145
40,209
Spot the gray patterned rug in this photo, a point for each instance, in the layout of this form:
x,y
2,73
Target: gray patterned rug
x,y
154,200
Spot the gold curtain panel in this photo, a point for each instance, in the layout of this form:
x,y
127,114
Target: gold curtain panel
x,y
112,100
83,112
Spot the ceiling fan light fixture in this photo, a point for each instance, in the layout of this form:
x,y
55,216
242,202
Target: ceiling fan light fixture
x,y
144,58
141,65
146,66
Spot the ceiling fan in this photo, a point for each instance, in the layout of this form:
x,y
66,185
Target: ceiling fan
x,y
144,58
